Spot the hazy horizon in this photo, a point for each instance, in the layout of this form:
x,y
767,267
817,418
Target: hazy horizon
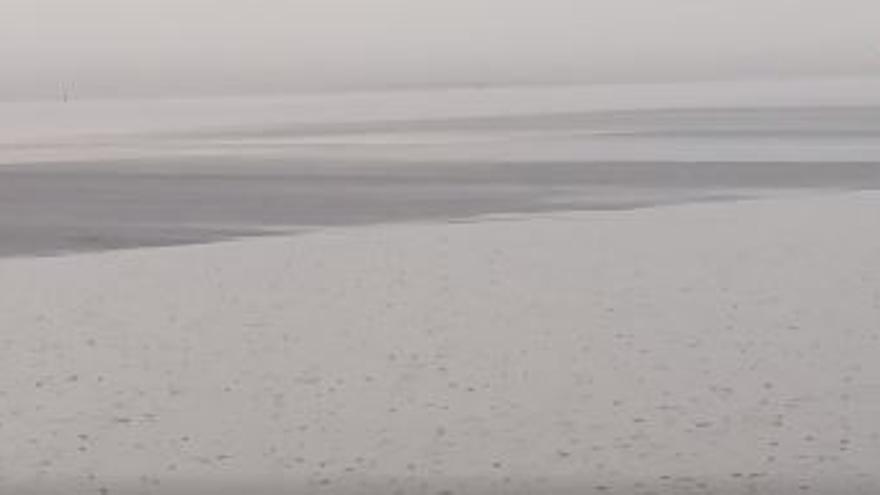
x,y
105,48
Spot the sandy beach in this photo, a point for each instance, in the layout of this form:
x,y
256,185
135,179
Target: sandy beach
x,y
706,348
421,247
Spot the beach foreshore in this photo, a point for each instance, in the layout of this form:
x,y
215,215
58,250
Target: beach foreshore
x,y
724,348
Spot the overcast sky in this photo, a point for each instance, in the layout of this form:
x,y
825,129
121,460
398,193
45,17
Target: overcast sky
x,y
122,47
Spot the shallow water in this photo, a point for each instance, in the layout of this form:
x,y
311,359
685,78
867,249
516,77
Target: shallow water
x,y
99,178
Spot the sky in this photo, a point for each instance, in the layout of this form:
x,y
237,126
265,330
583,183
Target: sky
x,y
196,47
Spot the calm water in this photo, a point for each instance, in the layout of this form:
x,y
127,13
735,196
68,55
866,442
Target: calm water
x,y
99,177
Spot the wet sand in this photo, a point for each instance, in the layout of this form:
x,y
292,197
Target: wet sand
x,y
721,349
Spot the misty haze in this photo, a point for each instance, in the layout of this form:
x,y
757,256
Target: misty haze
x,y
411,247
